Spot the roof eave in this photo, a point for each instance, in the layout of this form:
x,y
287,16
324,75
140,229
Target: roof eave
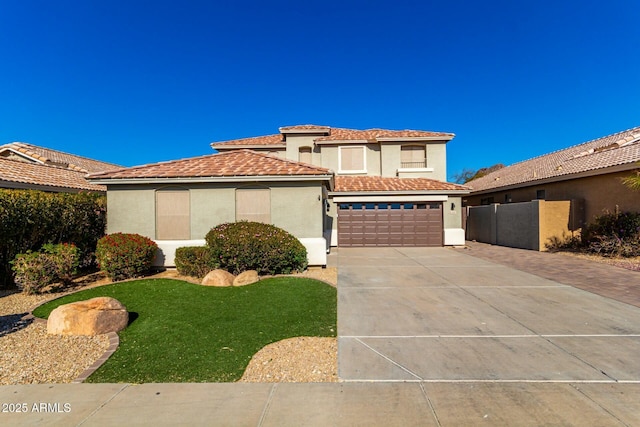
x,y
49,188
211,179
399,192
315,130
344,141
248,147
444,138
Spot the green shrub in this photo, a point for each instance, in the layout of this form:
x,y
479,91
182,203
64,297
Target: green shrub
x,y
613,235
242,246
195,261
30,219
123,256
33,271
66,258
53,263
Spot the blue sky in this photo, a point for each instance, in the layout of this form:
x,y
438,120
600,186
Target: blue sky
x,y
135,82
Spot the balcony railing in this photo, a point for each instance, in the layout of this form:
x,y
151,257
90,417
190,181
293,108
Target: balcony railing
x,y
410,165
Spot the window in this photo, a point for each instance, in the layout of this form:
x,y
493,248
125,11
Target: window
x,y
541,194
173,215
304,154
253,204
413,156
352,159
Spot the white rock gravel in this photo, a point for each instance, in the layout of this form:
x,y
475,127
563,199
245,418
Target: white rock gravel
x,y
28,355
301,359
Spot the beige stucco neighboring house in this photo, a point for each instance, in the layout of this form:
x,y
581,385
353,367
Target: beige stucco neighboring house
x,y
28,166
590,173
326,186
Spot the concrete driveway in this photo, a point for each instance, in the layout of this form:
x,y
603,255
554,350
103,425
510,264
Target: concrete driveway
x,y
437,315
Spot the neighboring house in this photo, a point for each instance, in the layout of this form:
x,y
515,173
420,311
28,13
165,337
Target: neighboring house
x,y
590,173
27,166
326,186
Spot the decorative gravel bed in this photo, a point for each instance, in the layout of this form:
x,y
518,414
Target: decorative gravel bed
x,y
28,355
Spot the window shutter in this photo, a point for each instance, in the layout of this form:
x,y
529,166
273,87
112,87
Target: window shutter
x,y
253,205
413,156
304,154
352,158
173,215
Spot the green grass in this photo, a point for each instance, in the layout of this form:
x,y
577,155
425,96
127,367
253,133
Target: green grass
x,y
183,332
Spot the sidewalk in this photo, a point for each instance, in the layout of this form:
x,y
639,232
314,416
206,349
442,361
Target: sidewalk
x,y
601,279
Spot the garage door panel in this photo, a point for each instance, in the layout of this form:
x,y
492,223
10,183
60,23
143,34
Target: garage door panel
x,y
390,224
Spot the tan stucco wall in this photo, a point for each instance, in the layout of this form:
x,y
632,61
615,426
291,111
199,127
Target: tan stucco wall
x,y
373,160
452,217
294,142
600,193
294,207
211,205
297,208
437,159
390,159
329,157
555,222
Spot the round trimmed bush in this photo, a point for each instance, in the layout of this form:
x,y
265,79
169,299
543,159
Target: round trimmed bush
x,y
244,245
123,255
195,261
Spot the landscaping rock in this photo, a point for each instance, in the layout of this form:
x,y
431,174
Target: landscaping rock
x,y
246,278
218,278
91,317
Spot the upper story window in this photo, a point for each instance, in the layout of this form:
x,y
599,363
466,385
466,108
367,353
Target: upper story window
x,y
352,159
413,156
304,154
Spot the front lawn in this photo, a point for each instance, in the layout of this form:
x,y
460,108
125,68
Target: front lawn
x,y
182,332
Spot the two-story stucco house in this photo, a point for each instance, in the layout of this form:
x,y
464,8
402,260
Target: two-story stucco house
x,y
327,186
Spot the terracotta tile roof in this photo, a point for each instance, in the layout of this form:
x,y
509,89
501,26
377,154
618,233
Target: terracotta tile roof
x,y
267,140
621,148
20,174
334,134
285,129
56,158
378,183
372,135
228,164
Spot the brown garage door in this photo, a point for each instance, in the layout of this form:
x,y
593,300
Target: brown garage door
x,y
390,224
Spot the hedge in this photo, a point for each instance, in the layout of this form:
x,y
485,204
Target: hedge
x,y
30,218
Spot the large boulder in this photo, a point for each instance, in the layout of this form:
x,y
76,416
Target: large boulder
x,y
91,317
218,278
246,278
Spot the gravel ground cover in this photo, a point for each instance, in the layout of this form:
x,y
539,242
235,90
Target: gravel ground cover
x,y
28,355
